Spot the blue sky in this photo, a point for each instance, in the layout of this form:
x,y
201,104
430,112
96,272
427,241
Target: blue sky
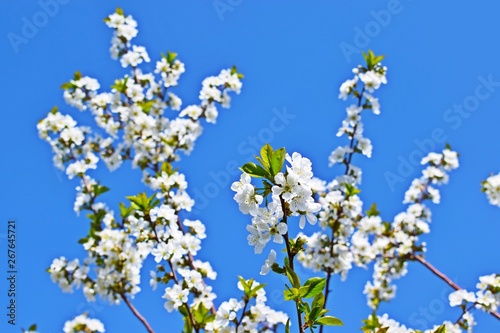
x,y
294,55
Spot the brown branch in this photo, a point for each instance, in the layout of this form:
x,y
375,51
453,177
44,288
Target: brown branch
x,y
291,257
137,313
437,272
445,278
347,163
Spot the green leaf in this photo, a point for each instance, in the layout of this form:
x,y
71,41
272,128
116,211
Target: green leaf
x,y
137,200
277,161
351,190
146,106
67,85
291,294
293,277
314,314
143,202
383,330
171,57
318,301
303,290
202,315
304,307
378,59
277,269
254,170
372,322
120,85
32,328
329,321
253,292
373,211
54,110
124,210
167,168
99,189
371,59
314,286
119,11
234,70
365,56
266,152
287,326
244,284
440,329
77,76
267,188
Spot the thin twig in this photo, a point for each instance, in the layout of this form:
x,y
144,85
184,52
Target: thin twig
x,y
332,241
137,313
446,279
290,258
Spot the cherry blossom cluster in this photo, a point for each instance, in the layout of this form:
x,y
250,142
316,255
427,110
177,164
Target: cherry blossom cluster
x,y
392,326
366,80
487,299
141,120
291,194
252,318
67,274
350,237
83,323
401,238
341,207
344,240
355,238
491,186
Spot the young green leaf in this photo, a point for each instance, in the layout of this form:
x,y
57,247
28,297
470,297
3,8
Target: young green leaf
x,y
318,301
314,286
293,277
244,284
277,161
266,152
291,294
440,329
254,170
314,314
253,292
171,57
373,210
329,321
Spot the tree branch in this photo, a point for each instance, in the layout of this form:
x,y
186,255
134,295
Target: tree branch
x,y
137,313
290,258
446,279
347,163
